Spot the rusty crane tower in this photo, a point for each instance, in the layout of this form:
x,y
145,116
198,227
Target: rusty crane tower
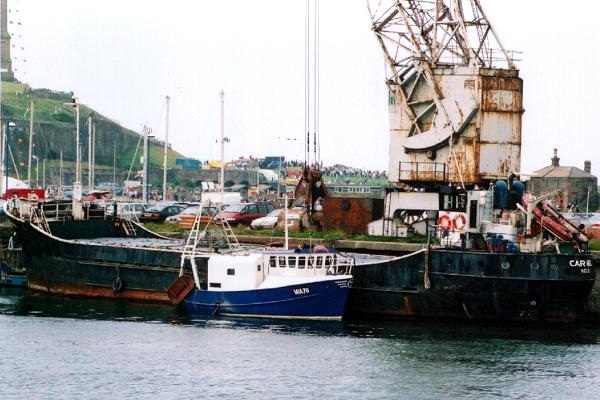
x,y
455,96
455,99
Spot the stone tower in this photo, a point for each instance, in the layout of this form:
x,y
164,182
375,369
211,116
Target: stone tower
x,y
5,61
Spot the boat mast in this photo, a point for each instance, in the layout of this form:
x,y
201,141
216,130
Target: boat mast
x,y
222,145
90,144
2,138
93,155
30,144
167,99
77,189
60,176
115,165
285,221
145,165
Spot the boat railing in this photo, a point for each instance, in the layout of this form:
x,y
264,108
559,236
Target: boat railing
x,y
319,264
57,211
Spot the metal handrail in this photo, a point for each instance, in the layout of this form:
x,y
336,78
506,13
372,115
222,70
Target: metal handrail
x,y
331,263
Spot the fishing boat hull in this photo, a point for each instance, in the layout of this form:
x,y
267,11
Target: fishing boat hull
x,y
320,300
475,285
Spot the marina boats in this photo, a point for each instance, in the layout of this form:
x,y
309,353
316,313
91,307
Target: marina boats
x,y
104,255
274,284
485,261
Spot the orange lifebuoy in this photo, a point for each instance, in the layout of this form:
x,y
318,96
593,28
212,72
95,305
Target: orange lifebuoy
x,y
444,222
460,221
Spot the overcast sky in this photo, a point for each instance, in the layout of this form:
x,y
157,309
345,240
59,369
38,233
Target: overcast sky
x,y
122,57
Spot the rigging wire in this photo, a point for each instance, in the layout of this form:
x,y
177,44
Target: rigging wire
x,y
316,90
134,157
306,83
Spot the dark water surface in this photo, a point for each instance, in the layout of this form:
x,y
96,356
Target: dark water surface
x,y
55,347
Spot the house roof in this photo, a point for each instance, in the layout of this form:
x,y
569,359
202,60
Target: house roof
x,y
552,171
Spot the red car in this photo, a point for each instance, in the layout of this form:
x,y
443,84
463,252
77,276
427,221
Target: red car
x,y
244,213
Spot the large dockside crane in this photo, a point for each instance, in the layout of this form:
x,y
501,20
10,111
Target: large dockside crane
x,y
455,101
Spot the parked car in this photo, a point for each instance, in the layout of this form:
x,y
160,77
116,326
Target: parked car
x,y
159,212
187,217
267,222
244,213
297,220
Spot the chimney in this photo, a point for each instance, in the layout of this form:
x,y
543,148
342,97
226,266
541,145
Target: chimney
x,y
555,159
587,166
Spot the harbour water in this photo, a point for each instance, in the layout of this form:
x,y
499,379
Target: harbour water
x,y
56,347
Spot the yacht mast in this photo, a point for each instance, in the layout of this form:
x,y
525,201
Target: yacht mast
x,y
222,145
164,196
30,144
90,161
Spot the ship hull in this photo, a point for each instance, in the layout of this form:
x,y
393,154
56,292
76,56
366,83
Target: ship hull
x,y
321,300
76,267
463,284
475,285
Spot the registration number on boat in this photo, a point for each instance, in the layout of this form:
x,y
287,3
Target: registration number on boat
x,y
584,265
299,291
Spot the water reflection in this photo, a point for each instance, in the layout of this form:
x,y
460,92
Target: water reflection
x,y
23,302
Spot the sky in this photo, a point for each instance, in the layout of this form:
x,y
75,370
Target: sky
x,y
122,57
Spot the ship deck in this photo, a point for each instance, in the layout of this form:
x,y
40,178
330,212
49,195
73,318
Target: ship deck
x,y
178,245
148,243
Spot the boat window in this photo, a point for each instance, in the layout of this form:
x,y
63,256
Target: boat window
x,y
215,284
258,267
292,262
301,261
319,261
230,271
272,262
310,262
327,260
281,262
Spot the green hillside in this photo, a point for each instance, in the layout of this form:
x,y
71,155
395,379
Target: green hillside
x,y
54,130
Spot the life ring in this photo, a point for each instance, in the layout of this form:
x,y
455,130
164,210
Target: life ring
x,y
117,284
444,222
459,222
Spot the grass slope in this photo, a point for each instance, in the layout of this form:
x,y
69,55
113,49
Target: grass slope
x,y
50,108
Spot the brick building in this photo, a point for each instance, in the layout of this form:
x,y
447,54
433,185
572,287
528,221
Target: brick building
x,y
573,184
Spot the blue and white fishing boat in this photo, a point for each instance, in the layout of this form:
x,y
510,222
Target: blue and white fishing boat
x,y
274,284
311,283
